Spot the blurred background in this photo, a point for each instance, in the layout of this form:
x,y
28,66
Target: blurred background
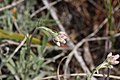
x,y
27,53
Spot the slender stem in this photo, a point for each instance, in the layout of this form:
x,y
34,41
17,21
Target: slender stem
x,y
91,74
108,74
110,17
96,70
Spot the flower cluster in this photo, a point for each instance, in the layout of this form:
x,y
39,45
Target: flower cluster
x,y
60,38
112,59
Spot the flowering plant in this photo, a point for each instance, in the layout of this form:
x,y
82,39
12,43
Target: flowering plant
x,y
108,63
58,37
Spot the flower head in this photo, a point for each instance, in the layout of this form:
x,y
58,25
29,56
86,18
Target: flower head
x,y
112,59
61,38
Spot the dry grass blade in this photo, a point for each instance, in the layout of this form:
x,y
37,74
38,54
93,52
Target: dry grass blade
x,y
12,5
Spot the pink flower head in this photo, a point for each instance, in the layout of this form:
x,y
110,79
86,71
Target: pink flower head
x,y
112,59
61,38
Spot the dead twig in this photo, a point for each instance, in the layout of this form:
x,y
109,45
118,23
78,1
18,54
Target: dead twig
x,y
10,42
81,74
88,56
55,58
16,25
21,44
96,5
53,14
43,8
12,5
58,69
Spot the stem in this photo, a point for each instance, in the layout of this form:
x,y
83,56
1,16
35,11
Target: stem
x,y
111,22
46,29
108,74
108,7
110,12
96,70
91,74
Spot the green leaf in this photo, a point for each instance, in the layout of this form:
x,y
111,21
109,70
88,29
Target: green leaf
x,y
17,37
44,43
22,57
3,76
11,68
